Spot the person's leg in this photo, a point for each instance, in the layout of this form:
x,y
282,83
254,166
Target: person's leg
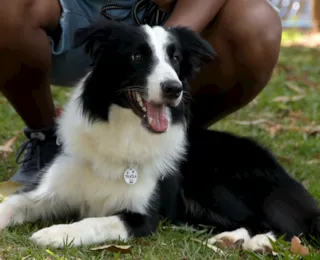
x,y
25,65
246,35
26,57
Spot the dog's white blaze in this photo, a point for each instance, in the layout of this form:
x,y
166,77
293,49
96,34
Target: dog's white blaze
x,y
159,39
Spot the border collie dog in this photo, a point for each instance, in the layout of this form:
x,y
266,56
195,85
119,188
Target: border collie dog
x,y
129,157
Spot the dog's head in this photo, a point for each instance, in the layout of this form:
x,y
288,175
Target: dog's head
x,y
140,68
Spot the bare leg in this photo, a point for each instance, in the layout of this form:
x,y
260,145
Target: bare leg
x,y
246,35
26,58
24,80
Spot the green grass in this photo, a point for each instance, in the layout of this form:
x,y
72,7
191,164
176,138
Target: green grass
x,y
298,71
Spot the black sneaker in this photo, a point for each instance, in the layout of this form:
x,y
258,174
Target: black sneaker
x,y
39,150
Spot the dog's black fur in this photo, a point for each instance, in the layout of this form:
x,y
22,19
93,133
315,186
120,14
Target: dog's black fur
x,y
231,182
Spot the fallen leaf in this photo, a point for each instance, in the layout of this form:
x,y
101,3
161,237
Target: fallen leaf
x,y
214,248
7,188
114,248
288,99
7,147
297,248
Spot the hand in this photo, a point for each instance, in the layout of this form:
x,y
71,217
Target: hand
x,y
165,5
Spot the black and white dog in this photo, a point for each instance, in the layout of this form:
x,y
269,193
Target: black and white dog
x,y
129,156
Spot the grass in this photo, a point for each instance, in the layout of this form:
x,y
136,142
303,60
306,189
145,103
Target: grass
x,y
278,125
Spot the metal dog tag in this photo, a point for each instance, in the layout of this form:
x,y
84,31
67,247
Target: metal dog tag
x,y
130,176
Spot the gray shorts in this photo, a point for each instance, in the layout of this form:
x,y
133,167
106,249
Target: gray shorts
x,y
69,65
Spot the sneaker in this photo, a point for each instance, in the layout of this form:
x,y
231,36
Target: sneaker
x,y
37,152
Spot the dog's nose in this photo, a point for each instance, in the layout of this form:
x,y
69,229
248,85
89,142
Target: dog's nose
x,y
171,89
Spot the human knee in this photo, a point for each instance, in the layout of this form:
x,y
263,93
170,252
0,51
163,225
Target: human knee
x,y
257,37
23,35
20,18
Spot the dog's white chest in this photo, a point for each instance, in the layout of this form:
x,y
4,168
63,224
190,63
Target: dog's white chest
x,y
105,196
106,185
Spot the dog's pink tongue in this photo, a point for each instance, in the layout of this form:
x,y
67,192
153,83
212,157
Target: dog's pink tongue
x,y
157,117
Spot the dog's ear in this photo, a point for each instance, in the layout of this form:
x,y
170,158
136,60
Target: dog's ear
x,y
97,37
195,50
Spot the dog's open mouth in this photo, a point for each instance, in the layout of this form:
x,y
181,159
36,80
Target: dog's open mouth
x,y
154,116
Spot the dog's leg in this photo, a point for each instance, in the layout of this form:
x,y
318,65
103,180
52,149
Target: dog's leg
x,y
96,230
48,200
26,207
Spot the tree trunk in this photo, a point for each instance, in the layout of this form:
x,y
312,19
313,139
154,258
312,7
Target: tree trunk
x,y
316,15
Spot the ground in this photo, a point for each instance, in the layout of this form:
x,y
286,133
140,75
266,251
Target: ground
x,y
285,118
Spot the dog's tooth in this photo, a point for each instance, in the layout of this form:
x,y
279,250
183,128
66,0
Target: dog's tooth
x,y
150,119
140,103
144,109
139,99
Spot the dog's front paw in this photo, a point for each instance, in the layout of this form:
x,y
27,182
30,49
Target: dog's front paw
x,y
230,239
260,243
58,236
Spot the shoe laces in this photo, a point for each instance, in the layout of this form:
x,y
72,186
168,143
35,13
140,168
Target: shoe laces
x,y
30,148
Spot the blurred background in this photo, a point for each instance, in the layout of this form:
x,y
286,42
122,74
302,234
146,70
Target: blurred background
x,y
298,13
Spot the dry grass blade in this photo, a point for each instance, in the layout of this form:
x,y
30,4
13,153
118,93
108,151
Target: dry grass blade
x,y
251,122
29,257
294,88
314,130
288,99
314,161
273,128
214,248
114,248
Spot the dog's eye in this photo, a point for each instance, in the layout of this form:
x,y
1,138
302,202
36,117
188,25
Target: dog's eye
x,y
175,59
136,57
